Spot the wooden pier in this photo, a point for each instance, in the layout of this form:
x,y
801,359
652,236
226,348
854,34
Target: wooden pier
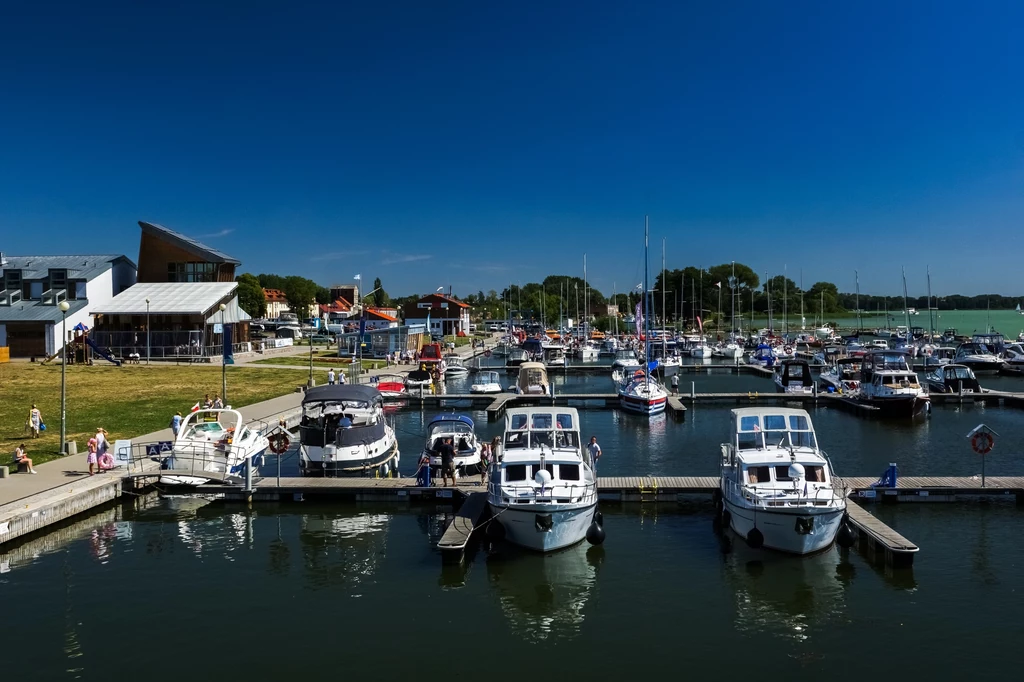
x,y
875,538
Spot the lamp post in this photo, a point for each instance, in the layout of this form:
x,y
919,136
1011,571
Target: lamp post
x,y
223,362
359,341
147,331
63,377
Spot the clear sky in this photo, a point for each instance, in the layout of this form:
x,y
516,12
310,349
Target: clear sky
x,y
477,143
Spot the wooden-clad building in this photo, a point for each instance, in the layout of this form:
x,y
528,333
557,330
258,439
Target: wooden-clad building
x,y
169,256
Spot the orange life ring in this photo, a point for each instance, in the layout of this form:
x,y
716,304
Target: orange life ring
x,y
982,442
279,443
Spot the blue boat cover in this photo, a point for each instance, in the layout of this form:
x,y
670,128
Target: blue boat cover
x,y
452,418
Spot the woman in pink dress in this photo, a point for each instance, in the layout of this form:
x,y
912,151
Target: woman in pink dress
x,y
91,459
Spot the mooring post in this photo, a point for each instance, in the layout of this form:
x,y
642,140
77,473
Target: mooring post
x,y
693,390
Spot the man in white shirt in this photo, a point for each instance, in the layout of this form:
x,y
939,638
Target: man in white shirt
x,y
330,377
595,452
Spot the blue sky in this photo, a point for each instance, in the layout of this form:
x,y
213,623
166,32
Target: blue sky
x,y
473,144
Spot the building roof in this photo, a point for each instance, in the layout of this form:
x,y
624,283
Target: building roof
x,y
274,296
187,243
372,313
443,298
168,298
35,311
78,267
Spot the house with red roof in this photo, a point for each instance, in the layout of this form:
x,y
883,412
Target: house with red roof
x,y
442,314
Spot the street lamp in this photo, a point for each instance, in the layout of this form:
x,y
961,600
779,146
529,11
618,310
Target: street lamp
x,y
223,361
359,341
147,330
63,377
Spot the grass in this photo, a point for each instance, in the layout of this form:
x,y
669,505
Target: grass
x,y
127,401
321,360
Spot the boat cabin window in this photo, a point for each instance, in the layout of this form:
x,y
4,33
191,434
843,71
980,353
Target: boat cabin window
x,y
749,436
569,472
814,473
515,472
542,438
518,422
759,474
802,439
515,440
564,421
782,473
541,421
795,371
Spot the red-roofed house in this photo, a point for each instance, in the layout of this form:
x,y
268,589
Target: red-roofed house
x,y
339,310
448,315
277,303
378,318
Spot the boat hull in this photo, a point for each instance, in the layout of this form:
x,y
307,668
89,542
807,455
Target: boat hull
x,y
899,406
311,461
642,405
981,366
780,528
524,525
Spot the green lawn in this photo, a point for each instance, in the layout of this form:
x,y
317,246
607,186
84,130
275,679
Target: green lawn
x,y
320,360
127,401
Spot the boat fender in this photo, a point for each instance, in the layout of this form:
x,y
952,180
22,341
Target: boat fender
x,y
595,534
755,539
599,519
845,536
495,531
726,518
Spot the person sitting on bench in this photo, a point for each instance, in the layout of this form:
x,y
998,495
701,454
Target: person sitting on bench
x,y
21,458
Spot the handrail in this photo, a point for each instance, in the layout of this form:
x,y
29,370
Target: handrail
x,y
790,498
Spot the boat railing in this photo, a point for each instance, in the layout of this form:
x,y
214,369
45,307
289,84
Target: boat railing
x,y
782,497
166,458
555,492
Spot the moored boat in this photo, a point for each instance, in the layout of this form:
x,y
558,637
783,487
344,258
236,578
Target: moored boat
x,y
794,376
486,382
467,448
212,445
777,485
952,379
533,379
542,489
343,431
643,394
888,383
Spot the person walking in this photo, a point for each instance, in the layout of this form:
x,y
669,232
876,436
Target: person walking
x,y
35,420
218,404
176,423
675,384
102,445
21,458
595,452
91,459
485,462
341,378
330,377
447,453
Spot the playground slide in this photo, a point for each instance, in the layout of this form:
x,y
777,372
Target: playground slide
x,y
102,353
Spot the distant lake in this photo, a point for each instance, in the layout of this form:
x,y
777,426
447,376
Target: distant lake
x,y
1008,322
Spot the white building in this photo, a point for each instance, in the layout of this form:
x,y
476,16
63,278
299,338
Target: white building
x,y
440,313
32,288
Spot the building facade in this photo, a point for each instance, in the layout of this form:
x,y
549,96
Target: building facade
x,y
33,287
439,314
277,303
169,256
348,292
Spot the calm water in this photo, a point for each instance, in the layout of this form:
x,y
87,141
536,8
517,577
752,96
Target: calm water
x,y
1007,322
184,588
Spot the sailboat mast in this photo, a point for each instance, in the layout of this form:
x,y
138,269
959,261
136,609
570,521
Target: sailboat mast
x,y
586,294
931,318
785,292
647,316
860,323
664,314
906,310
732,295
803,320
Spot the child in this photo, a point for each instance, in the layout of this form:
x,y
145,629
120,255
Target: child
x,y
91,459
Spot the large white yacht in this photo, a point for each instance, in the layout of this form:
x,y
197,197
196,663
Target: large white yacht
x,y
212,445
777,487
542,490
343,431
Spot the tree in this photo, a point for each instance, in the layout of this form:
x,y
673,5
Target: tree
x,y
300,293
380,297
250,295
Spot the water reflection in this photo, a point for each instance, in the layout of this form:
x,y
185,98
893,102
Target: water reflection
x,y
543,596
342,549
789,597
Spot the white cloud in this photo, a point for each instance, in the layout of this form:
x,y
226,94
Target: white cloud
x,y
393,258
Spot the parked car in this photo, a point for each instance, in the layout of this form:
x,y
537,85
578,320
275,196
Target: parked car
x,y
321,338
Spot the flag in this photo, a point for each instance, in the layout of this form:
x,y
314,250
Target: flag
x,y
439,290
719,285
700,324
358,277
195,408
639,318
640,287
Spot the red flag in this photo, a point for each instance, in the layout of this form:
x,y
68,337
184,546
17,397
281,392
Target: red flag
x,y
700,324
195,408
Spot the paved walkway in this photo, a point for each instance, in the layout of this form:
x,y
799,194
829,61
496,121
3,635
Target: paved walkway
x,y
73,469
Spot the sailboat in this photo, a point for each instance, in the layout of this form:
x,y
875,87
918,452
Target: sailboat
x,y
1019,311
641,392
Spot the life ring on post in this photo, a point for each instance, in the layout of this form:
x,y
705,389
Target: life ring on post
x,y
279,443
982,443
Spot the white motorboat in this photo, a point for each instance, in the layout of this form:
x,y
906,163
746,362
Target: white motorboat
x,y
460,429
762,356
701,350
952,379
453,366
533,379
418,378
842,377
1014,356
943,355
777,485
978,357
391,386
516,357
794,376
609,347
626,359
589,350
554,356
343,431
212,445
730,350
888,383
542,490
486,382
880,344
643,394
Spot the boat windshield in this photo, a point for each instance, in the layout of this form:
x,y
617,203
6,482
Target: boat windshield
x,y
775,430
449,426
625,355
545,429
487,378
958,373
